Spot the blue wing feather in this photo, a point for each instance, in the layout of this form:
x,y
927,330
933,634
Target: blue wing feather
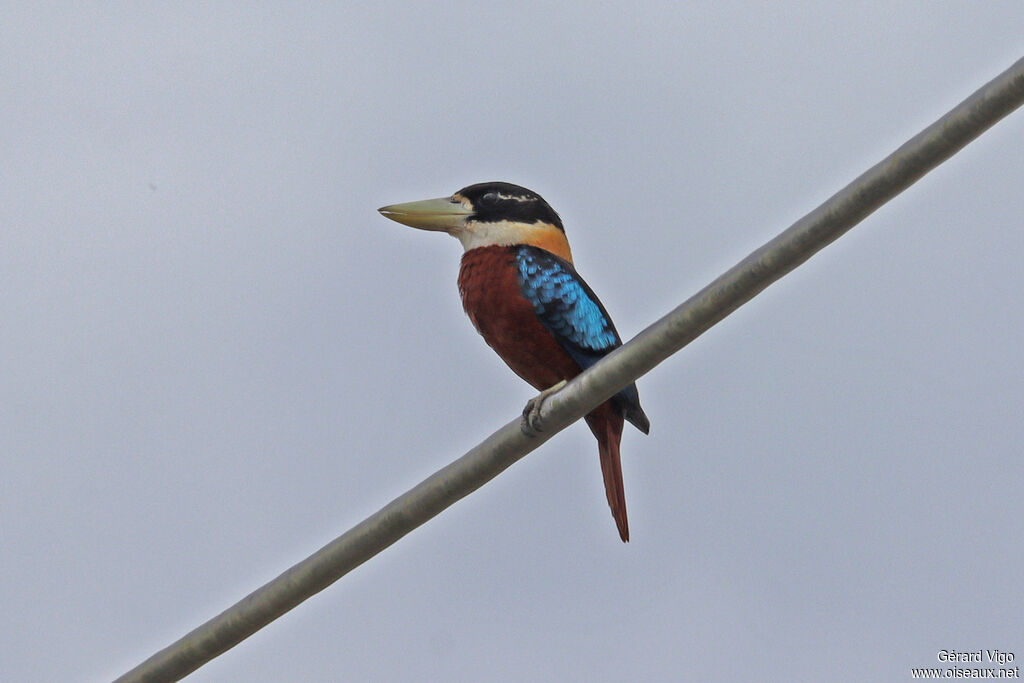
x,y
565,305
573,314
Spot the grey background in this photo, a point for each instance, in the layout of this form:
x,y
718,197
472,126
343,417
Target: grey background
x,y
215,356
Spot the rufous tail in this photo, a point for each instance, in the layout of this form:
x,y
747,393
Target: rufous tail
x,y
606,424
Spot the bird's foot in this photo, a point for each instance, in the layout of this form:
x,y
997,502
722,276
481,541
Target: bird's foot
x,y
532,424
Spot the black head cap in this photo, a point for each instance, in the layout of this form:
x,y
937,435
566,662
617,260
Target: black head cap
x,y
493,202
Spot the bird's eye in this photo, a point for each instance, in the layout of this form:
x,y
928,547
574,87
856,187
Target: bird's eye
x,y
489,198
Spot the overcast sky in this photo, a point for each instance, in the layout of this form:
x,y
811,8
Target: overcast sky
x,y
215,356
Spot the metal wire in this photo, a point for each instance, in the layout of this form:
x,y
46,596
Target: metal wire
x,y
741,283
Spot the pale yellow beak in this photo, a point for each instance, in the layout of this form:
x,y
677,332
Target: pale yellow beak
x,y
443,214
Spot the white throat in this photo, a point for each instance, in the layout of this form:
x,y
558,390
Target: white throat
x,y
502,233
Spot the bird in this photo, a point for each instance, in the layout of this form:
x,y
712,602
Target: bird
x,y
522,293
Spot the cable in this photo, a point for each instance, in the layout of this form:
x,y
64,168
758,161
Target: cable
x,y
672,332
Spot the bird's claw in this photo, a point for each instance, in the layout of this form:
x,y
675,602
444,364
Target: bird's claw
x,y
532,424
